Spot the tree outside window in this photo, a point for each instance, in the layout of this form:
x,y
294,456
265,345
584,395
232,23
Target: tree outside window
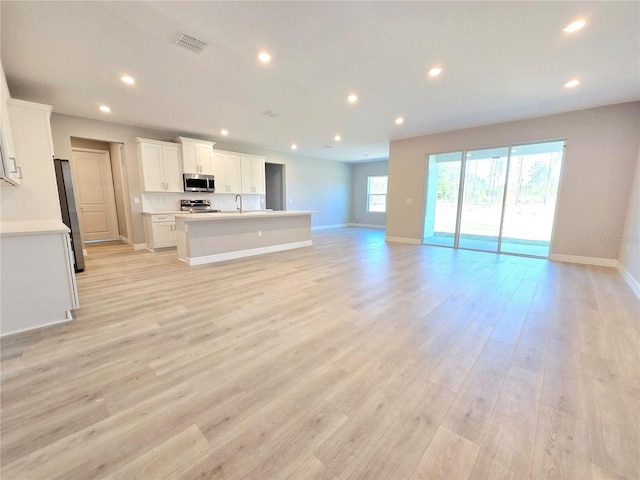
x,y
377,194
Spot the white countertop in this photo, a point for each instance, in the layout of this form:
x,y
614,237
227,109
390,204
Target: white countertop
x,y
167,212
35,227
198,217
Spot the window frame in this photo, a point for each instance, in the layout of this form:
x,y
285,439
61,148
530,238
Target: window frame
x,y
369,194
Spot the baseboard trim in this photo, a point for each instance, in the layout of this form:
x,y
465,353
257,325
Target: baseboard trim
x,y
410,241
222,257
38,327
634,285
600,262
368,225
327,227
139,246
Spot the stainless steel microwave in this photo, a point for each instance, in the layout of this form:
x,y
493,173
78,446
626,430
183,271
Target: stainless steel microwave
x,y
195,182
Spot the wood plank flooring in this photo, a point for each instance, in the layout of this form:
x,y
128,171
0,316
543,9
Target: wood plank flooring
x,y
351,359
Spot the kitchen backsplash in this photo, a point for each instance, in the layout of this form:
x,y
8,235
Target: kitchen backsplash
x,y
170,202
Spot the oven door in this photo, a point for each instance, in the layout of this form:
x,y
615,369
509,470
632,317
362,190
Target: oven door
x,y
195,183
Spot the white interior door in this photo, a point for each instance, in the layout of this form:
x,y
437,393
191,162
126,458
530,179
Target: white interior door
x,y
96,199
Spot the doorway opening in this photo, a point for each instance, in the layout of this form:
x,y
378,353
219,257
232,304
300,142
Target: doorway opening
x,y
275,186
495,200
101,190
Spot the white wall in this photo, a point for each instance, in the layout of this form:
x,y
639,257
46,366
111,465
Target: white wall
x,y
312,184
359,178
602,148
630,240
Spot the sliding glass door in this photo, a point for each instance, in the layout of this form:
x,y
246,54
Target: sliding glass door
x,y
441,206
532,190
497,200
484,176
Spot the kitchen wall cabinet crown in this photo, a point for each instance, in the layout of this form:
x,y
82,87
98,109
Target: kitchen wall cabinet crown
x,y
160,166
253,177
226,166
10,171
197,155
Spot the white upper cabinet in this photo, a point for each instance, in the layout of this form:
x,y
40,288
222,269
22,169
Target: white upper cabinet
x,y
9,168
197,155
226,168
160,166
252,167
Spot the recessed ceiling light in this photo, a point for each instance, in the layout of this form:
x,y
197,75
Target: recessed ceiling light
x,y
127,79
353,98
105,109
572,83
574,26
224,132
337,138
435,71
264,57
294,146
399,121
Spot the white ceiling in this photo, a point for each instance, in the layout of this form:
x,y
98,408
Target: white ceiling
x,y
502,61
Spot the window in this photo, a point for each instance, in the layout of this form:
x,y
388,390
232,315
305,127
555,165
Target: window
x,y
377,194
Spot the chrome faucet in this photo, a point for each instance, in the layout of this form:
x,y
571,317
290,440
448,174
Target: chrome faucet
x,y
239,197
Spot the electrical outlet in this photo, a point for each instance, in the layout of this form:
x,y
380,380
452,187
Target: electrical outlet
x,y
290,200
136,200
408,201
259,233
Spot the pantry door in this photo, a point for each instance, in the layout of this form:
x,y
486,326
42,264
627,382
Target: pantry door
x,y
96,199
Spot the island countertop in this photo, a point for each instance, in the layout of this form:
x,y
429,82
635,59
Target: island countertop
x,y
199,217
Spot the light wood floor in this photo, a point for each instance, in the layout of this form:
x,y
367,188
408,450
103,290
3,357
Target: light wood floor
x,y
349,359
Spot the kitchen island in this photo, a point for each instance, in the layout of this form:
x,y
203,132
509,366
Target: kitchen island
x,y
215,237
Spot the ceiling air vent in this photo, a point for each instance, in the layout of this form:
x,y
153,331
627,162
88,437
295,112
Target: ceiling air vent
x,y
192,44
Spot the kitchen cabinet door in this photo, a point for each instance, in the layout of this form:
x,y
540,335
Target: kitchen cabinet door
x,y
159,231
163,235
172,169
10,169
252,171
218,167
246,177
204,157
197,155
258,176
190,158
152,168
161,166
233,173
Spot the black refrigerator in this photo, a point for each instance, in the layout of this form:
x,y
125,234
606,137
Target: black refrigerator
x,y
68,209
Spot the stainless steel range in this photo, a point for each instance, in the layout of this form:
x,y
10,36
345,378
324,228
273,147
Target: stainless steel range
x,y
196,206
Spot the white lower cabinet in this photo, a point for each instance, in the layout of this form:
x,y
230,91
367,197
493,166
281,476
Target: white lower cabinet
x,y
38,285
159,231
